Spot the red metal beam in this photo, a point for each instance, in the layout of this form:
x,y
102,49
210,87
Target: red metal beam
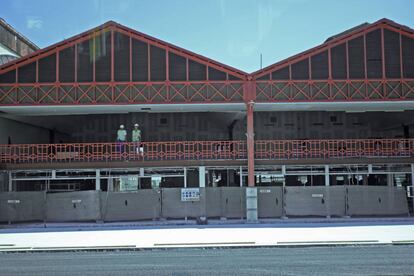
x,y
401,59
130,58
112,56
383,23
365,57
93,58
250,145
133,33
149,61
76,63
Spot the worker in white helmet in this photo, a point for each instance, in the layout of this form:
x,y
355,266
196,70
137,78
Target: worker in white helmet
x,y
136,137
121,137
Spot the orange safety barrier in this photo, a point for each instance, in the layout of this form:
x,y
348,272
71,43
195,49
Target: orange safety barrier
x,y
206,150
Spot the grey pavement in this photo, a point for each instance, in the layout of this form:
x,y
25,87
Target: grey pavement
x,y
348,260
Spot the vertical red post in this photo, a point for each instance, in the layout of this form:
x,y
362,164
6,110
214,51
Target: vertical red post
x,y
130,58
249,96
93,57
401,60
112,56
167,72
330,72
76,63
383,53
57,76
250,144
112,66
149,61
57,66
384,86
365,57
187,71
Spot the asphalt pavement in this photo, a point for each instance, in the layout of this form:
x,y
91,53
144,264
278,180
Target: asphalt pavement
x,y
342,260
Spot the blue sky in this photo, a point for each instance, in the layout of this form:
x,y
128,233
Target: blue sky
x,y
233,32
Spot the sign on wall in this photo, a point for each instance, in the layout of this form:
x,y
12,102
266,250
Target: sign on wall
x,y
190,194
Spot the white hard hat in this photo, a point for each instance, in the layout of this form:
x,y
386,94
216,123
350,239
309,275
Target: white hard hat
x,y
121,126
136,125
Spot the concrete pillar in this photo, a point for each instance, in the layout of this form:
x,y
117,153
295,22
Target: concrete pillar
x,y
110,184
328,191
251,204
202,176
412,183
10,189
390,180
203,192
185,177
98,180
241,176
327,175
141,174
369,168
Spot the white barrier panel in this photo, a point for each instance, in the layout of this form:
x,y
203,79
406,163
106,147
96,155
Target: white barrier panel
x,y
140,205
73,206
376,201
315,201
22,206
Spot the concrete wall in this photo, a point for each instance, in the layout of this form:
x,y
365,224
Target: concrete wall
x,y
73,206
215,125
376,200
327,125
315,201
22,206
4,182
21,133
140,205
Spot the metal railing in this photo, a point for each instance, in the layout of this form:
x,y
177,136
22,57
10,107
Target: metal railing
x,y
324,149
206,150
110,152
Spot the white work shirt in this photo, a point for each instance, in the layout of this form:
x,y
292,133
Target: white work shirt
x,y
136,135
121,135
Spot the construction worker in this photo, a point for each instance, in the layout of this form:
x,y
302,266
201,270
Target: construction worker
x,y
136,137
121,137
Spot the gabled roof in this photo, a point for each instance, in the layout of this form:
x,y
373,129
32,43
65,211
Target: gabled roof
x,y
123,29
336,40
12,30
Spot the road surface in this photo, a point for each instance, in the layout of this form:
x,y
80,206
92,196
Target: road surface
x,y
342,260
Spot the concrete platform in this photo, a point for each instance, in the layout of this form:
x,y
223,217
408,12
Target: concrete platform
x,y
179,234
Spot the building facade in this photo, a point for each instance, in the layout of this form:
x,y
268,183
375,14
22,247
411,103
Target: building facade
x,y
325,132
